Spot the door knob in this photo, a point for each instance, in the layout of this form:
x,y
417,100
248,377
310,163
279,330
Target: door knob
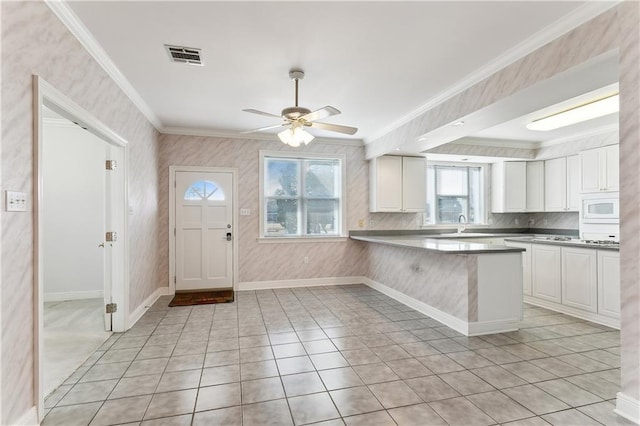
x,y
101,245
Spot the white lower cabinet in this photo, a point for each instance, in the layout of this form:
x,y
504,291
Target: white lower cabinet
x,y
583,282
526,265
579,278
546,272
609,283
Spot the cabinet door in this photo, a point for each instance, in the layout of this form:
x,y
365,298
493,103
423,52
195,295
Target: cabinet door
x,y
515,186
612,168
526,265
414,184
579,278
589,171
535,186
555,185
545,272
609,283
573,183
388,184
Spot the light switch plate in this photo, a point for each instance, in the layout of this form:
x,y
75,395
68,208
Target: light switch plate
x,y
245,212
15,201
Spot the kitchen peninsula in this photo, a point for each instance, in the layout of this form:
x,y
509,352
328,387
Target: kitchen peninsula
x,y
474,288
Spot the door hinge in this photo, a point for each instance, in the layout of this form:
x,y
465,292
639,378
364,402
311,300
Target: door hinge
x,y
111,307
174,232
111,164
174,183
111,236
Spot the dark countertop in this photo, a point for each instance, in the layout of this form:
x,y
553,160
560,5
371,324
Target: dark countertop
x,y
444,244
572,243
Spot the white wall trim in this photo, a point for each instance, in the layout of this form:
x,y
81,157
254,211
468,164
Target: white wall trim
x,y
573,20
73,295
627,407
306,282
449,320
578,313
134,316
66,15
29,418
461,326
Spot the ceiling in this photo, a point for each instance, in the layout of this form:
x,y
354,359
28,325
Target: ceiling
x,y
377,62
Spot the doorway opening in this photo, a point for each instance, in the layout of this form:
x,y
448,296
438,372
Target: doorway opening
x,y
80,237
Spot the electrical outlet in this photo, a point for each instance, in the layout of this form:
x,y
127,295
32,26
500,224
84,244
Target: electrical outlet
x,y
531,223
305,260
517,221
361,223
15,201
245,212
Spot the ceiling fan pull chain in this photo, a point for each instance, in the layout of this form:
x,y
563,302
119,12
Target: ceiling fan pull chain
x,y
296,80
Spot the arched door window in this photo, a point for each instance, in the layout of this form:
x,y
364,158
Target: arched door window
x,y
204,190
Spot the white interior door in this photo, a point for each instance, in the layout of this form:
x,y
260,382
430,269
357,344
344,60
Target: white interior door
x,y
204,230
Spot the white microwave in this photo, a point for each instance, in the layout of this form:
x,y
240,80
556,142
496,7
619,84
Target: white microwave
x,y
600,208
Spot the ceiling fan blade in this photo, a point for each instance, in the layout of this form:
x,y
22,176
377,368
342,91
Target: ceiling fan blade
x,y
334,128
318,114
268,114
264,128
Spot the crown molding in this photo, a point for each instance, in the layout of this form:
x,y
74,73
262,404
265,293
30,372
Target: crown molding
x,y
66,15
228,134
578,17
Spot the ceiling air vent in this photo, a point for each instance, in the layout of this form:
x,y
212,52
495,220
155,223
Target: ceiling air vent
x,y
184,55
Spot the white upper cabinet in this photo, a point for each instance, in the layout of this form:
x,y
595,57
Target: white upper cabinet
x,y
509,187
414,184
397,184
555,185
562,184
600,169
535,186
573,183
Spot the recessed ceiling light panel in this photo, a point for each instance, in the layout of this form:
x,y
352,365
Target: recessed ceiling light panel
x,y
588,111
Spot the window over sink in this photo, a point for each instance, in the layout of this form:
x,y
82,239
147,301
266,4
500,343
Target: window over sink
x,y
455,193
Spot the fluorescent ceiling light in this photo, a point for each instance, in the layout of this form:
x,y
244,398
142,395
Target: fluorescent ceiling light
x,y
581,113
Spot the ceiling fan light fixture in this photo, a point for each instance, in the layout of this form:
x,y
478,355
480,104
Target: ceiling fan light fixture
x,y
588,111
295,135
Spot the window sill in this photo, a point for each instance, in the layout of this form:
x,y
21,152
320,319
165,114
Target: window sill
x,y
279,240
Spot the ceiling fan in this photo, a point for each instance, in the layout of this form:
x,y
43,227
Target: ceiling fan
x,y
297,118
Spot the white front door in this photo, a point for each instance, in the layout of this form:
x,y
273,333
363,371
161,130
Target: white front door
x,y
204,230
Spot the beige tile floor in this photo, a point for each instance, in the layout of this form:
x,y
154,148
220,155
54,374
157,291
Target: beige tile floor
x,y
73,330
340,355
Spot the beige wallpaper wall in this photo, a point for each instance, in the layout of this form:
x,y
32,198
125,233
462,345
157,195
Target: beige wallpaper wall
x,y
265,261
35,42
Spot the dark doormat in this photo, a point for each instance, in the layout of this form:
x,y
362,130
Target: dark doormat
x,y
202,297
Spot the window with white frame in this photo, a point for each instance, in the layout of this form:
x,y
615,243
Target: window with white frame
x,y
455,194
302,196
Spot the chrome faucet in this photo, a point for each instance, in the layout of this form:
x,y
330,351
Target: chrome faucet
x,y
461,224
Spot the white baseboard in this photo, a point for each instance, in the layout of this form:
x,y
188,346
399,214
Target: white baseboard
x,y
627,407
306,282
140,310
29,418
73,295
461,326
578,313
